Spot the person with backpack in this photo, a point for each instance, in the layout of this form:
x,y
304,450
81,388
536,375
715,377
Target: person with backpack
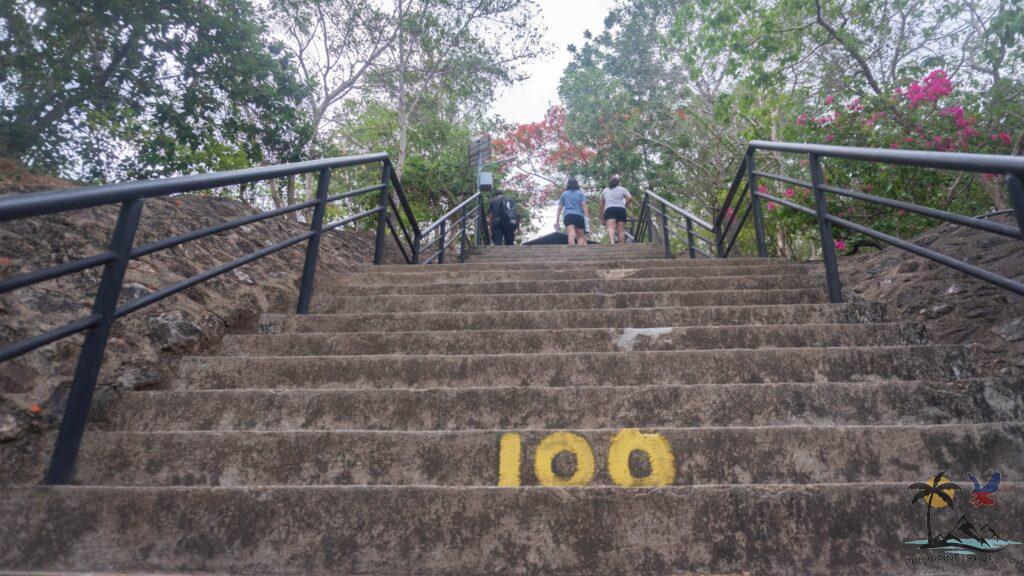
x,y
614,201
503,219
572,213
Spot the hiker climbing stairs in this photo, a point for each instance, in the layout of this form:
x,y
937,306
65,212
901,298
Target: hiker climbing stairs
x,y
706,416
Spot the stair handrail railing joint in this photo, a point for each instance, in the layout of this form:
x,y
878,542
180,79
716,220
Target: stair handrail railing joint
x,y
131,196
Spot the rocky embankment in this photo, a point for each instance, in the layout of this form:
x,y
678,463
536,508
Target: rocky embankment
x,y
955,308
144,344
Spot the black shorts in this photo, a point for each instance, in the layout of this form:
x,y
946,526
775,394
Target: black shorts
x,y
617,213
574,220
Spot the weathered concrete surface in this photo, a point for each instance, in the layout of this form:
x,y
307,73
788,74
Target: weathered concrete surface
x,y
554,319
575,340
428,274
833,529
601,286
769,455
496,303
545,264
818,404
583,369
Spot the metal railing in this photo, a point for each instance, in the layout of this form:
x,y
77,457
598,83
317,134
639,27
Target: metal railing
x,y
744,198
682,222
392,212
1012,167
468,221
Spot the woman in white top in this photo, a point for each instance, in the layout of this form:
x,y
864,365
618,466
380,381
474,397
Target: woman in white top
x,y
614,201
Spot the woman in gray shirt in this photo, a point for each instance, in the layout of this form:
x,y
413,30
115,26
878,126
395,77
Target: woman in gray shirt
x,y
614,201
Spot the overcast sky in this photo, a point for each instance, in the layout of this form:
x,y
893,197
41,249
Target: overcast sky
x,y
565,20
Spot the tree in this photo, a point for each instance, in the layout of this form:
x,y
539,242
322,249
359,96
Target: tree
x,y
936,493
140,88
464,49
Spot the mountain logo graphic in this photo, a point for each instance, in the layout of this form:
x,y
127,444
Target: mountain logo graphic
x,y
963,537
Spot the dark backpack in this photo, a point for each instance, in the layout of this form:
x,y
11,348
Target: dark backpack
x,y
507,213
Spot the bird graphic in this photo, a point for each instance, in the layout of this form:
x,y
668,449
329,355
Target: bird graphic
x,y
983,496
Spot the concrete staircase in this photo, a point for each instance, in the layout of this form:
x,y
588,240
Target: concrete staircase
x,y
384,434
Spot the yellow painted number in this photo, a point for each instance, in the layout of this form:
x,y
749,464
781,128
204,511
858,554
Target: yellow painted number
x,y
510,457
553,445
659,454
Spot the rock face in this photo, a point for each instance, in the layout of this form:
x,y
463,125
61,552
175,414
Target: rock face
x,y
955,308
32,387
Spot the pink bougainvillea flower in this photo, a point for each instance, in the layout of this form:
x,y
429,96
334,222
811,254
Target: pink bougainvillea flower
x,y
830,137
801,120
1007,141
934,86
771,206
901,212
829,99
855,105
840,244
789,192
729,212
762,188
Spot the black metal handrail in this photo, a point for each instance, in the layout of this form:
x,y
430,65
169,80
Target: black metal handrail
x,y
726,233
131,197
644,227
442,227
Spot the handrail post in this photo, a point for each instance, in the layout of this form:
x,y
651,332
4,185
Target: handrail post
x,y
316,225
462,239
689,237
90,357
650,221
442,236
480,220
664,230
762,247
719,241
1016,192
828,247
382,216
416,247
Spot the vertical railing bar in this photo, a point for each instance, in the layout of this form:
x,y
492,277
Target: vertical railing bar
x,y
462,240
1016,193
828,247
664,231
689,237
90,357
443,229
316,225
382,216
762,247
480,220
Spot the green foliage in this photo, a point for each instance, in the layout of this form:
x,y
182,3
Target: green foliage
x,y
122,89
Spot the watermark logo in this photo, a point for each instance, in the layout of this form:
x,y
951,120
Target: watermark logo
x,y
963,537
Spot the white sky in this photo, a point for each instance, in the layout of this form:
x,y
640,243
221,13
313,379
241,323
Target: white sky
x,y
566,20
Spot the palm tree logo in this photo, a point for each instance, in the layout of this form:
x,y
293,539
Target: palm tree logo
x,y
935,493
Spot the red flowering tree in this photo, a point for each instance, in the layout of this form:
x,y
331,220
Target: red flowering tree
x,y
540,156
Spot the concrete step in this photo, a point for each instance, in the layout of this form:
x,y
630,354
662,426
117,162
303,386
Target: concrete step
x,y
599,286
556,319
574,340
693,456
443,274
500,303
819,404
585,369
819,529
604,247
566,256
561,264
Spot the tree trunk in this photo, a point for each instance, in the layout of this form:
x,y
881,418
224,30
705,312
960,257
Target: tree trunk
x,y
275,194
290,196
995,191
